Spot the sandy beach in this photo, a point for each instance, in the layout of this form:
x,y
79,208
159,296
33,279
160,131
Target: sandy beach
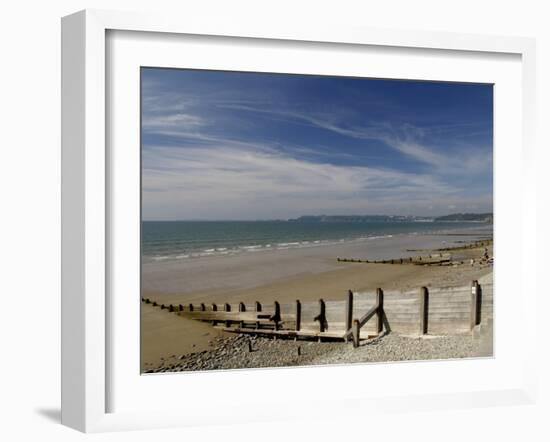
x,y
307,274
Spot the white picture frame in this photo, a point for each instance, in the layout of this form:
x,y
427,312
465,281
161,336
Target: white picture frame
x,y
86,204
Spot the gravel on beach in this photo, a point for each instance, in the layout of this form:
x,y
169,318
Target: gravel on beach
x,y
249,351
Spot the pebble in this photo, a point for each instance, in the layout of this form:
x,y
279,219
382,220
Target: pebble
x,y
232,353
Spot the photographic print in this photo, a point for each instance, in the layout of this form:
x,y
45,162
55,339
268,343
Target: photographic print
x,y
303,220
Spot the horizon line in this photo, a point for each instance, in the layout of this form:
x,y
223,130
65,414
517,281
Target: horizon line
x,y
313,216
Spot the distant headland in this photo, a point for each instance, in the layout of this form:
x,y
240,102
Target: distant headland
x,y
453,217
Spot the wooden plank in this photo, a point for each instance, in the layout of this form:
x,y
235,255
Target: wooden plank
x,y
219,316
286,333
368,315
362,321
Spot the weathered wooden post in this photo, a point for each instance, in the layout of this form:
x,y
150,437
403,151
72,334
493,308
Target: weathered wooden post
x,y
475,311
276,317
298,315
180,308
424,306
227,308
379,310
191,308
321,317
214,309
203,307
355,333
242,308
349,311
258,308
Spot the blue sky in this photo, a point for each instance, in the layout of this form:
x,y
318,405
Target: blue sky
x,y
230,145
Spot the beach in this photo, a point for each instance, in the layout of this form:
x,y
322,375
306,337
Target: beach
x,y
307,273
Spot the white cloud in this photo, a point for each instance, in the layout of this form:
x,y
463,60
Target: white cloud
x,y
229,182
180,121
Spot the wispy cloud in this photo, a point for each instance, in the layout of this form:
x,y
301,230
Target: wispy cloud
x,y
405,139
222,181
234,154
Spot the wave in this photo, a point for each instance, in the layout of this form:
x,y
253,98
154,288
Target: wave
x,y
225,251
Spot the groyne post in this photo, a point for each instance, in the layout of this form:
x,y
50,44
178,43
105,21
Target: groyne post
x,y
355,333
298,315
242,308
258,308
214,309
321,317
227,308
380,310
475,310
276,318
349,311
424,306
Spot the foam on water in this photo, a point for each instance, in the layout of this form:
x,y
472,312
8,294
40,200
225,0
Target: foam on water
x,y
193,240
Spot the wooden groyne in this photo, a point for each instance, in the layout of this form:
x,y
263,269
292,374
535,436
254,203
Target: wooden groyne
x,y
451,310
442,258
435,259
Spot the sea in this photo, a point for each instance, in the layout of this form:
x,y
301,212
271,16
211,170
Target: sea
x,y
176,240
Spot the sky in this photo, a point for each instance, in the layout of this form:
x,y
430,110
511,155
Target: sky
x,y
233,145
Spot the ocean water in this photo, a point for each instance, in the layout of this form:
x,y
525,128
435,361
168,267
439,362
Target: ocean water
x,y
175,240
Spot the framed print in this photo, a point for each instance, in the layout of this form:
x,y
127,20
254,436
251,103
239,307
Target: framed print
x,y
251,188
295,210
